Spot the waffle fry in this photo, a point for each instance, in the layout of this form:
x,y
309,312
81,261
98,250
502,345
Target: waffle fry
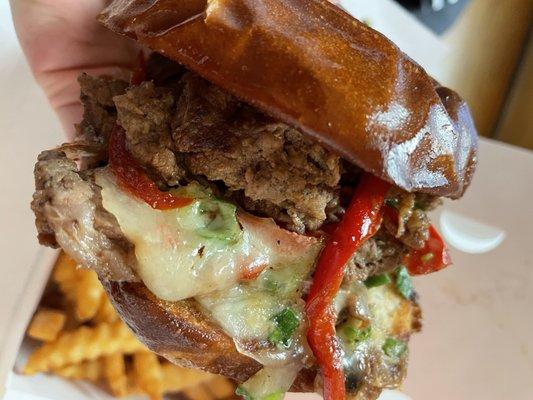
x,y
220,387
133,387
64,268
82,344
89,294
65,276
106,312
114,371
86,340
89,370
80,286
198,393
177,378
46,324
148,374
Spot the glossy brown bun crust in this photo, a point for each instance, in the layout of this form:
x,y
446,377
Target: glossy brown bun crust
x,y
182,333
310,64
179,331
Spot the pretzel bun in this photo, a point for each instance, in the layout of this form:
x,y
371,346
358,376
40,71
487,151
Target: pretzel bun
x,y
179,331
311,65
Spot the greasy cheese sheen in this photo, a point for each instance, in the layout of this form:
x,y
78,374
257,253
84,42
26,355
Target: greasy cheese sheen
x,y
384,302
180,257
176,260
245,311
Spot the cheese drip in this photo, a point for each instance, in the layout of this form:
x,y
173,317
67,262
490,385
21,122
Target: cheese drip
x,y
200,248
243,271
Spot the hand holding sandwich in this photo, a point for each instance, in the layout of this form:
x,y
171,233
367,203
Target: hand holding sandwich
x,y
62,39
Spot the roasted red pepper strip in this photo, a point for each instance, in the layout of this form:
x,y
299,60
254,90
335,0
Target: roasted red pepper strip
x,y
433,257
361,221
132,177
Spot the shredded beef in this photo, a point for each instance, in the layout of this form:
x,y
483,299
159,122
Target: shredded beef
x,y
412,226
273,164
192,128
99,115
380,254
145,113
181,127
69,213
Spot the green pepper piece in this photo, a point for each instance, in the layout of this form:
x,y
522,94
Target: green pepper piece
x,y
403,282
394,348
356,335
221,220
286,323
377,280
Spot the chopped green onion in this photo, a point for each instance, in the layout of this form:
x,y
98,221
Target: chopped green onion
x,y
394,202
394,348
220,221
403,282
427,257
272,285
356,335
377,280
286,323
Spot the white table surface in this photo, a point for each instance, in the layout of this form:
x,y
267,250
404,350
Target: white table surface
x,y
478,322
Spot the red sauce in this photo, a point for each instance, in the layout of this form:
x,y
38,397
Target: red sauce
x,y
134,179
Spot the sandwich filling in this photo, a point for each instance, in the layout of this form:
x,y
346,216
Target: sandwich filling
x,y
257,205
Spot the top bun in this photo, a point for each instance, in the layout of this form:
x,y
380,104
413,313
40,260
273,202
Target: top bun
x,y
313,66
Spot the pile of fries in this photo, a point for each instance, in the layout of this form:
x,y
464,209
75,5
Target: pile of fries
x,y
83,338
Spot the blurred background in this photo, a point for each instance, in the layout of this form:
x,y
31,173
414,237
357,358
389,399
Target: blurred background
x,y
489,60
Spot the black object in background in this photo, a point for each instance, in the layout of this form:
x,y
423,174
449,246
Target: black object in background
x,y
438,15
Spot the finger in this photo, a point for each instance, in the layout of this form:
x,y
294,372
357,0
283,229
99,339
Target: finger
x,y
62,39
63,92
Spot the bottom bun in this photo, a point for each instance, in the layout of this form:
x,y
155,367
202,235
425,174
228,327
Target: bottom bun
x,y
179,331
183,334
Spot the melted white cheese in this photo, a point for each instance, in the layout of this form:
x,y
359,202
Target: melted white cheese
x,y
174,261
178,261
245,311
384,302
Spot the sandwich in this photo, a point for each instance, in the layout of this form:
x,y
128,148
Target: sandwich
x,y
255,197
